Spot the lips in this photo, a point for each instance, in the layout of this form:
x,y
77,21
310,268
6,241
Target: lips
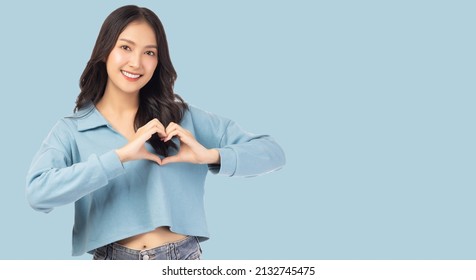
x,y
131,75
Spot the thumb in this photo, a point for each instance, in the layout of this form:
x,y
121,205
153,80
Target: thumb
x,y
170,159
153,157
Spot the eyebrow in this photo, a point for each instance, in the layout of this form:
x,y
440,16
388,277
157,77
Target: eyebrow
x,y
133,43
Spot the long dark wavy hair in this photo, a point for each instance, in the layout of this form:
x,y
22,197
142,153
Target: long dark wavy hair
x,y
157,98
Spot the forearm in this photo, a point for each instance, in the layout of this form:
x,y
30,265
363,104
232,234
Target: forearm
x,y
50,185
258,156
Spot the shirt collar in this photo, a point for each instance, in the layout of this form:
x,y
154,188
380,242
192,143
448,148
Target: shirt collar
x,y
89,117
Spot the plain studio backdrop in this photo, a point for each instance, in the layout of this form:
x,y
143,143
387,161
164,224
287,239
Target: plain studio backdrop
x,y
372,101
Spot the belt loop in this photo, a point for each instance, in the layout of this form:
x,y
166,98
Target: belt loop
x,y
172,251
109,252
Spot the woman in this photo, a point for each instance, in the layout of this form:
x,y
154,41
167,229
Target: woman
x,y
134,156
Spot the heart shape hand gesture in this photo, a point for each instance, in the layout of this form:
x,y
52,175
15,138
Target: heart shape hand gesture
x,y
190,149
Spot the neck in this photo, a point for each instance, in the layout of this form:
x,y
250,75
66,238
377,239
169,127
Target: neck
x,y
117,102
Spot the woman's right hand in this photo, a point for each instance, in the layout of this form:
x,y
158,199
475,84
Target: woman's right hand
x,y
135,149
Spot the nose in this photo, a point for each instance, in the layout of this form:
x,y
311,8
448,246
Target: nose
x,y
135,60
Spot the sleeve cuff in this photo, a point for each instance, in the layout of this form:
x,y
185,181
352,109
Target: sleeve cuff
x,y
111,164
227,164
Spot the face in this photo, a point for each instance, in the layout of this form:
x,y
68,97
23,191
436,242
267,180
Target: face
x,y
132,61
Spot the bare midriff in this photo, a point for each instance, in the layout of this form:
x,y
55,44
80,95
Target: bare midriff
x,y
151,239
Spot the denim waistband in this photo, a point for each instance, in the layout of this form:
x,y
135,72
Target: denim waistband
x,y
173,250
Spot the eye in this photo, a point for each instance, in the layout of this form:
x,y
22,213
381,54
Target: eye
x,y
125,47
151,53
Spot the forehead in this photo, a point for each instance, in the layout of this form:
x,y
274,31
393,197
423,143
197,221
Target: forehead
x,y
140,32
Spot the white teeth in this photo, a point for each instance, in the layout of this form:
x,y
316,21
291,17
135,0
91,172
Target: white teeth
x,y
130,75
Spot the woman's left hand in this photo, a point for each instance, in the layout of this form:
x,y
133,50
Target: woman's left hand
x,y
190,150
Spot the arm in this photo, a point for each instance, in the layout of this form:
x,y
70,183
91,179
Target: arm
x,y
54,180
244,154
241,153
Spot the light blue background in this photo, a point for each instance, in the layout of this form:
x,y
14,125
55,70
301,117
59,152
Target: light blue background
x,y
373,102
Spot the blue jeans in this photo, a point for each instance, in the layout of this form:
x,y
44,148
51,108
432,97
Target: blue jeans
x,y
185,249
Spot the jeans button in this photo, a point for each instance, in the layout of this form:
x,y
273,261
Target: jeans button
x,y
145,257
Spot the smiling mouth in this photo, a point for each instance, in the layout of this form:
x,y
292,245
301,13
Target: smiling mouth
x,y
130,75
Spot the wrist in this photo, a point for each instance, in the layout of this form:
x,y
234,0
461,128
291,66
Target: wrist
x,y
214,156
121,155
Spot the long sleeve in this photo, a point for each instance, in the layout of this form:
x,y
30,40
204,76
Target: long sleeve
x,y
76,163
54,179
242,154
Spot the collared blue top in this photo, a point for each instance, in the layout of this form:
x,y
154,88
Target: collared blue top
x,y
77,163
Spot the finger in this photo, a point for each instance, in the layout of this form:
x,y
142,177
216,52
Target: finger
x,y
147,134
161,132
157,123
153,123
171,127
172,134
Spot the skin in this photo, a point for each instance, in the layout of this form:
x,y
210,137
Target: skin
x,y
136,52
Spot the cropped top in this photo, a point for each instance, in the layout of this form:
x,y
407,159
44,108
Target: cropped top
x,y
77,163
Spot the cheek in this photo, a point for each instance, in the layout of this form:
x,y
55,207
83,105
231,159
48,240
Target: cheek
x,y
150,65
115,59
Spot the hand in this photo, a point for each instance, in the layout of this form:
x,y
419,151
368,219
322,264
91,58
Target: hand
x,y
190,150
135,149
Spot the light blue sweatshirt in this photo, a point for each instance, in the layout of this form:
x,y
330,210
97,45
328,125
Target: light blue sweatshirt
x,y
77,163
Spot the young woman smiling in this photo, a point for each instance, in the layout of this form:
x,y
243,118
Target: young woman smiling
x,y
134,156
